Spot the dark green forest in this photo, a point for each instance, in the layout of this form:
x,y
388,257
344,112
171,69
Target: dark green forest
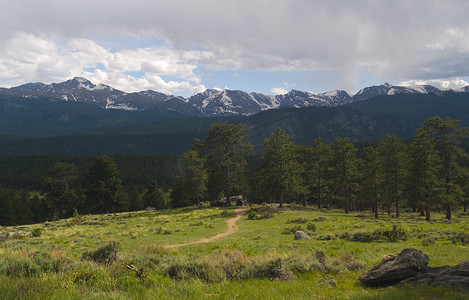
x,y
364,121
426,173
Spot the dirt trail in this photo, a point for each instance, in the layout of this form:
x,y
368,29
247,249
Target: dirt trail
x,y
232,228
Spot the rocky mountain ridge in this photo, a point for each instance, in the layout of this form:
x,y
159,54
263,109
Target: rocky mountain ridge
x,y
211,102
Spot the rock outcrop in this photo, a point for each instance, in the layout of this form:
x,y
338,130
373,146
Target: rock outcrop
x,y
456,275
410,266
393,269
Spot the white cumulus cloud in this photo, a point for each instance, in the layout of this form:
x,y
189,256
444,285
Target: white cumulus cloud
x,y
451,83
279,91
25,57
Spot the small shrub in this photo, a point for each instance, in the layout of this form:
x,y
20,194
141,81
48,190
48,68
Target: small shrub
x,y
428,241
395,234
104,255
297,221
273,270
299,264
261,212
327,237
289,230
311,227
460,237
36,232
202,270
19,265
86,275
3,237
321,256
350,263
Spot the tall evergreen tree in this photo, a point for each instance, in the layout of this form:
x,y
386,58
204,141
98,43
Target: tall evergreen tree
x,y
463,181
194,174
154,196
344,171
392,153
104,193
423,186
447,133
280,167
321,157
370,180
226,148
59,191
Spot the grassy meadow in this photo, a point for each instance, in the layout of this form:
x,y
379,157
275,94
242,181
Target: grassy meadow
x,y
60,260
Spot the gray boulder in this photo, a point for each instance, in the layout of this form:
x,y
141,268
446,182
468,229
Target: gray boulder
x,y
456,275
393,269
301,235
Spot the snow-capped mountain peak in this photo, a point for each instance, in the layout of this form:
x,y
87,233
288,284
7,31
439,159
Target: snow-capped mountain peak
x,y
211,102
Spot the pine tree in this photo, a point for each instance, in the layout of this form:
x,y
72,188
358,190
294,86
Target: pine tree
x,y
392,155
280,167
423,187
194,174
104,193
447,133
58,189
154,196
321,156
369,169
344,171
226,148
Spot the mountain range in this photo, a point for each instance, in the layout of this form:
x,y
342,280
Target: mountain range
x,y
211,102
80,118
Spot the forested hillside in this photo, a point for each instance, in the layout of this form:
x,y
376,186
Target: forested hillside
x,y
365,121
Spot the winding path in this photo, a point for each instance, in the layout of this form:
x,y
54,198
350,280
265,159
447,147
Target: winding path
x,y
232,228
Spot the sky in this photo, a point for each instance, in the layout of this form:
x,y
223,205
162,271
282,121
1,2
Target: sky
x,y
183,47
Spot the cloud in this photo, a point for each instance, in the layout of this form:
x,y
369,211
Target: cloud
x,y
279,91
451,83
398,40
29,58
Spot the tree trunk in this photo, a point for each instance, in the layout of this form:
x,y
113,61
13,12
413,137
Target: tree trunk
x,y
448,211
422,211
375,208
346,204
427,213
281,199
448,192
319,194
304,200
389,209
228,187
270,199
398,212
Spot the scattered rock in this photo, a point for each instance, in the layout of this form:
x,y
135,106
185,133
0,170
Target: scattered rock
x,y
149,208
301,235
328,280
393,269
240,202
219,203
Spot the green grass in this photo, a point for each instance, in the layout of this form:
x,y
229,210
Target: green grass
x,y
240,266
